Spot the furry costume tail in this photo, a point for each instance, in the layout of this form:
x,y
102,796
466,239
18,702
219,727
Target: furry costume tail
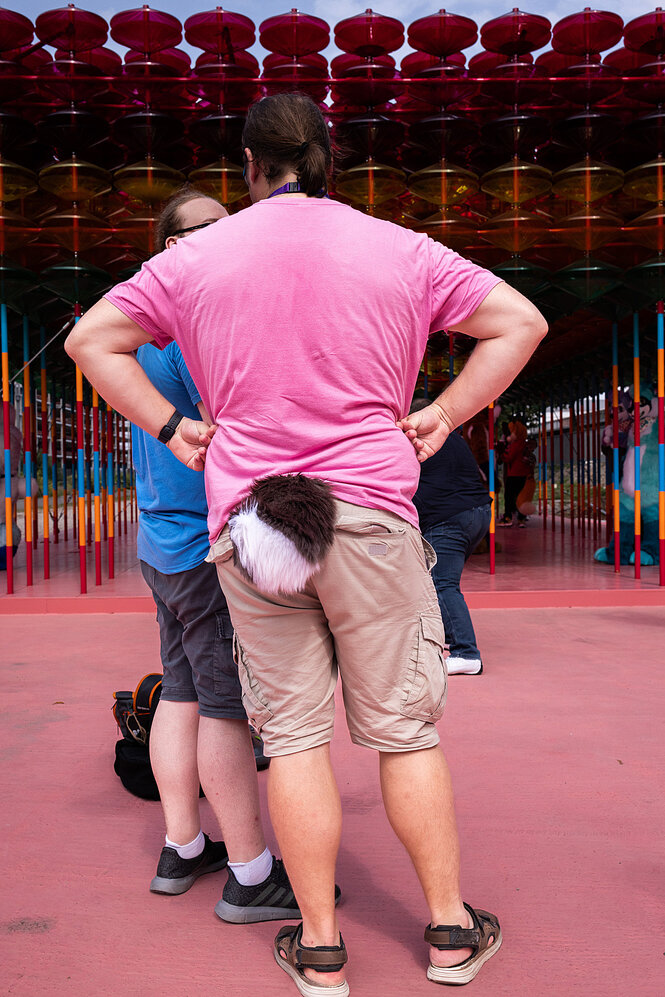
x,y
283,530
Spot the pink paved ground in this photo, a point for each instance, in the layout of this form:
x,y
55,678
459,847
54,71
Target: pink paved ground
x,y
556,752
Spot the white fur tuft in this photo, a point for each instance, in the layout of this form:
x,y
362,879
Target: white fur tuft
x,y
271,560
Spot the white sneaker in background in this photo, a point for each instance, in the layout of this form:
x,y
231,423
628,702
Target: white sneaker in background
x,y
464,666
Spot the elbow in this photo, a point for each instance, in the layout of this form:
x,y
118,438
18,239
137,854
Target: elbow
x,y
538,327
79,346
73,346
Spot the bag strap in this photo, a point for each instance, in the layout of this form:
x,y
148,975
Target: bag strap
x,y
145,690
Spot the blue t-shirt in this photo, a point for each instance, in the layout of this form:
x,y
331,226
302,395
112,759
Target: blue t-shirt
x,y
173,531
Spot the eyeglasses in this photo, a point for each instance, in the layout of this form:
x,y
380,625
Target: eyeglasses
x,y
194,228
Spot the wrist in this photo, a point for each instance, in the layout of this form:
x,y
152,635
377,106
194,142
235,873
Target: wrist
x,y
443,416
168,430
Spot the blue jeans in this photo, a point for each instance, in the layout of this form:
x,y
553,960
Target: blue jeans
x,y
454,541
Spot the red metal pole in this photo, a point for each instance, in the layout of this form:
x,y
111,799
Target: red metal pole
x,y
544,467
583,454
492,488
661,444
571,459
81,471
553,496
54,461
562,504
637,525
615,446
9,511
97,487
110,489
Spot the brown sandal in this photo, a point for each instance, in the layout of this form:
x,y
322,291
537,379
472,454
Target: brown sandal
x,y
484,938
294,958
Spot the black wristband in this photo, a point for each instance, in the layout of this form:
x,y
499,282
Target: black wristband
x,y
167,431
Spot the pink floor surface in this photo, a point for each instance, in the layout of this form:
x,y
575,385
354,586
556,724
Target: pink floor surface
x,y
556,753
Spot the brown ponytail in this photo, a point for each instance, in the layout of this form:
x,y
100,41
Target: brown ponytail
x,y
288,134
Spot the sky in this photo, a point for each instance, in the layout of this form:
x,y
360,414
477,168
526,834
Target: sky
x,y
333,11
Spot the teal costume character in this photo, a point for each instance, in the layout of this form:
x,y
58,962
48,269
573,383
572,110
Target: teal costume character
x,y
648,458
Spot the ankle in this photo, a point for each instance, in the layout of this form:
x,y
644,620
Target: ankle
x,y
312,937
454,913
189,849
255,871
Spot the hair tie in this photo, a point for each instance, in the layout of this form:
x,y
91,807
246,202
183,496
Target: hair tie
x,y
303,148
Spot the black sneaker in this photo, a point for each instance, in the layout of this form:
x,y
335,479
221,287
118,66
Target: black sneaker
x,y
262,761
271,900
176,875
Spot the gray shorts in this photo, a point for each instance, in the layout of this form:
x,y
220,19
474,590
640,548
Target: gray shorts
x,y
196,641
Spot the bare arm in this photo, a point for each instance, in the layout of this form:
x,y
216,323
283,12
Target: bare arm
x,y
102,344
508,329
203,412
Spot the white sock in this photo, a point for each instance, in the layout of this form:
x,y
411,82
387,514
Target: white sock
x,y
254,872
190,850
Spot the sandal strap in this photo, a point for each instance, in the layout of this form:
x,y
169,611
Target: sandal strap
x,y
322,958
453,936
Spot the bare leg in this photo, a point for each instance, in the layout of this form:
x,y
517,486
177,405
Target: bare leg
x,y
418,797
173,757
228,776
307,817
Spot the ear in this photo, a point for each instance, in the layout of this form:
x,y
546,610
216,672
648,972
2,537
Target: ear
x,y
171,241
252,170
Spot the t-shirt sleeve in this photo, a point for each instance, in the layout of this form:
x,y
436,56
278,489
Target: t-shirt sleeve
x,y
458,287
186,377
149,297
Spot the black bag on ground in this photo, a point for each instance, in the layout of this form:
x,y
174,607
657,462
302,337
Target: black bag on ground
x,y
132,764
134,713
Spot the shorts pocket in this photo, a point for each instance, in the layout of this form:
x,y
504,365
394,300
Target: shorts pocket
x,y
430,553
367,528
224,627
424,692
224,673
257,710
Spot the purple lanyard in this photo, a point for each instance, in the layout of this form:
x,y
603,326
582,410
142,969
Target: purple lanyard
x,y
292,187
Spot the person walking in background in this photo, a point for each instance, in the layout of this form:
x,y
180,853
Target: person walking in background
x,y
200,729
305,322
518,469
454,509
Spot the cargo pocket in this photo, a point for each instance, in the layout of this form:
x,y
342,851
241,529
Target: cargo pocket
x,y
222,670
424,693
258,712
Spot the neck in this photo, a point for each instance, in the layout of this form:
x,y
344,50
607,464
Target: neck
x,y
287,178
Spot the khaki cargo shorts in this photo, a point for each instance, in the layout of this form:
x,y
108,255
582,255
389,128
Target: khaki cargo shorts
x,y
371,613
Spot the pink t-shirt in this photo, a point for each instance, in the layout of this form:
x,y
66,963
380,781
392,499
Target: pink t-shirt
x,y
303,324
